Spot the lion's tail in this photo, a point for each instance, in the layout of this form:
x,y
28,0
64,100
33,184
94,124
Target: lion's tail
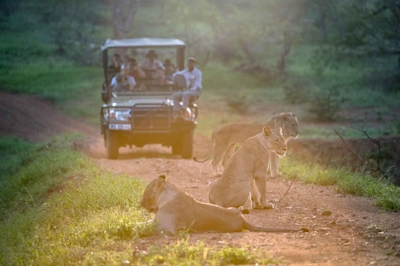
x,y
254,228
210,153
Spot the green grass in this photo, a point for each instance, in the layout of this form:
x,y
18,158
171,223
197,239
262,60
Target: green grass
x,y
14,153
183,253
310,131
385,194
57,208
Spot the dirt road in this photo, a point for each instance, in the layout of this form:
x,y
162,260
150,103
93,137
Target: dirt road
x,y
344,229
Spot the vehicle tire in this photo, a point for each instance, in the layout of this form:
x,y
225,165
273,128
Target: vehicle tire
x,y
112,144
187,144
176,148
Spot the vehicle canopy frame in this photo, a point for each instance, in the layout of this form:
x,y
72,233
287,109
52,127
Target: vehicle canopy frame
x,y
138,43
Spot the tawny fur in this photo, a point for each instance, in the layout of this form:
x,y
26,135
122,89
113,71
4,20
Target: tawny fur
x,y
246,171
225,137
175,210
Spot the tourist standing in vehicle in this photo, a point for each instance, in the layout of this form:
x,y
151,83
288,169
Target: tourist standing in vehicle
x,y
151,63
193,78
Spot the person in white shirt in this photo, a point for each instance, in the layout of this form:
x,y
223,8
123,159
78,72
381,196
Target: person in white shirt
x,y
125,80
151,63
193,77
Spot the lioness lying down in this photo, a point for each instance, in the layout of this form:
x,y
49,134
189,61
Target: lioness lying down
x,y
246,171
224,138
175,210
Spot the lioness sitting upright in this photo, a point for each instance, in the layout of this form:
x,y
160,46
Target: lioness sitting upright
x,y
224,138
246,171
175,210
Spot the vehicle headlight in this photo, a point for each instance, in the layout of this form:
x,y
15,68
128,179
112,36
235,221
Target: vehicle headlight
x,y
120,114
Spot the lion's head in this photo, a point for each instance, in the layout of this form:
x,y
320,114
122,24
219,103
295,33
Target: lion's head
x,y
275,141
151,192
289,123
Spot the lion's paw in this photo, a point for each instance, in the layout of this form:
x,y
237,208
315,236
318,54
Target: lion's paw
x,y
269,206
278,174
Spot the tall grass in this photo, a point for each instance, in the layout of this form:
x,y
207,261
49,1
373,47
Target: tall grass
x,y
385,194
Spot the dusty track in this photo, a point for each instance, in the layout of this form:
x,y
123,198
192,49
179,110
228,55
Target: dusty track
x,y
356,232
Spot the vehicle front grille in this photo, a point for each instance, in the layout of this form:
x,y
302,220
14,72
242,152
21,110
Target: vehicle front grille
x,y
151,117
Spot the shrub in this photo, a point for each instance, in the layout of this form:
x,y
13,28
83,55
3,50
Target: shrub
x,y
295,92
238,103
325,104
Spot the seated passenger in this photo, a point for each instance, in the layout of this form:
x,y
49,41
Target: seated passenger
x,y
160,78
151,63
193,78
124,78
116,64
134,70
121,84
170,69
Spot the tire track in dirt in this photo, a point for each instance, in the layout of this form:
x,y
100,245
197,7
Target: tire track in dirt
x,y
356,232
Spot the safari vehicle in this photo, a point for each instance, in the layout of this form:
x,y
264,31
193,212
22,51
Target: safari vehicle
x,y
145,115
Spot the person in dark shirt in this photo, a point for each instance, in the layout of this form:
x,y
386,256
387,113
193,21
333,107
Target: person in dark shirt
x,y
115,67
170,69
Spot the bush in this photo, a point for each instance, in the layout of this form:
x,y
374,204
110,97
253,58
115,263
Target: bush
x,y
295,92
238,103
325,104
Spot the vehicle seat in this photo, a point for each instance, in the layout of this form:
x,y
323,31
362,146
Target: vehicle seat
x,y
179,82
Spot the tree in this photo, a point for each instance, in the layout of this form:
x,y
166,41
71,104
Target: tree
x,y
8,7
123,13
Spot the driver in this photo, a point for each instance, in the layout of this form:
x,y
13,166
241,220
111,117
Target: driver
x,y
151,63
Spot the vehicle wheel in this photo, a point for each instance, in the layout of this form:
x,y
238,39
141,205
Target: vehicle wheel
x,y
176,149
112,144
187,144
177,146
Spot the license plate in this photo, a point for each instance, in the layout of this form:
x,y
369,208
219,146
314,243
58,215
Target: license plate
x,y
120,126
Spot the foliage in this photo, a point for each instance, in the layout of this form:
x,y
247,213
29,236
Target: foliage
x,y
385,194
295,91
238,103
363,32
200,254
325,104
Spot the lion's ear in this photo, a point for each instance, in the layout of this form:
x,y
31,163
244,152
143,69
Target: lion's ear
x,y
162,176
267,131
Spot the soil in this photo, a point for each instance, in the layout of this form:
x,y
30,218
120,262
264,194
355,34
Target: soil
x,y
343,229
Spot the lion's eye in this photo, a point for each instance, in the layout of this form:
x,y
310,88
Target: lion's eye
x,y
277,140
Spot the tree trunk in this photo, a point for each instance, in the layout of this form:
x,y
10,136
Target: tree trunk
x,y
123,13
287,44
395,10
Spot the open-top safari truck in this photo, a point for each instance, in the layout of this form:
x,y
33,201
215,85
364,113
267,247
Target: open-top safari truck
x,y
145,116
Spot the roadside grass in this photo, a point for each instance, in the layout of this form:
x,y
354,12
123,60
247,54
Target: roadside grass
x,y
58,82
311,131
13,153
57,208
183,253
385,194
